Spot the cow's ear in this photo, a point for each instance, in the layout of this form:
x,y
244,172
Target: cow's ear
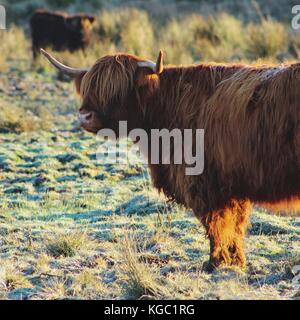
x,y
151,71
156,68
78,81
92,19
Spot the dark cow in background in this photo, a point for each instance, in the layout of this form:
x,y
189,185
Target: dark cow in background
x,y
60,31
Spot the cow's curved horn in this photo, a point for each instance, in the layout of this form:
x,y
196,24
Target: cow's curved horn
x,y
73,72
155,67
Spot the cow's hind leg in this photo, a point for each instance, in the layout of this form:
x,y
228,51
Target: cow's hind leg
x,y
226,230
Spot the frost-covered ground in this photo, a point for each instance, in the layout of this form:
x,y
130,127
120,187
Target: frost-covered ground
x,y
72,228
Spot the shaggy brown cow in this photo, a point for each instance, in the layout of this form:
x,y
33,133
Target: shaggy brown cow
x,y
60,30
252,133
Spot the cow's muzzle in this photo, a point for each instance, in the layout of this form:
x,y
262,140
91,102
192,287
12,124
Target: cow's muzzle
x,y
89,121
85,117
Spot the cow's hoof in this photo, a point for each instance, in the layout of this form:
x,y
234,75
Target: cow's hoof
x,y
210,267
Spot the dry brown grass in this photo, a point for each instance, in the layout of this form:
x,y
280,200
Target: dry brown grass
x,y
141,279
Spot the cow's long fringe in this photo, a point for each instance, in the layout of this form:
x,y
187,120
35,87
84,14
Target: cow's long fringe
x,y
111,77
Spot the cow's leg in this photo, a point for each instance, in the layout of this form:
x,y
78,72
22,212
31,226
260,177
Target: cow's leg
x,y
226,230
34,53
35,50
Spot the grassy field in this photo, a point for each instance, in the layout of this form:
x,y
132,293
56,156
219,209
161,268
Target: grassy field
x,y
71,228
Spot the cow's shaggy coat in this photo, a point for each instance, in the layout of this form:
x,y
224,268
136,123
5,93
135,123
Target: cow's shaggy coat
x,y
252,135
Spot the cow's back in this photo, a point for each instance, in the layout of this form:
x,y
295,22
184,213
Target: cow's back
x,y
48,29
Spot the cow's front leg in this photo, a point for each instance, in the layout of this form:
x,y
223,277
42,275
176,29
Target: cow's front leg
x,y
226,230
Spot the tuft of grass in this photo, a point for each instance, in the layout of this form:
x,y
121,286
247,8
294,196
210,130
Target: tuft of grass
x,y
141,279
54,289
42,263
12,279
67,245
88,285
15,119
266,39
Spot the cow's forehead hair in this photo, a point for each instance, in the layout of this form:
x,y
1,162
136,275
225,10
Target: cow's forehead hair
x,y
121,56
112,76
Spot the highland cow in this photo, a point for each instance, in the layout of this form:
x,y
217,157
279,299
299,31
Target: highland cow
x,y
251,120
60,30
